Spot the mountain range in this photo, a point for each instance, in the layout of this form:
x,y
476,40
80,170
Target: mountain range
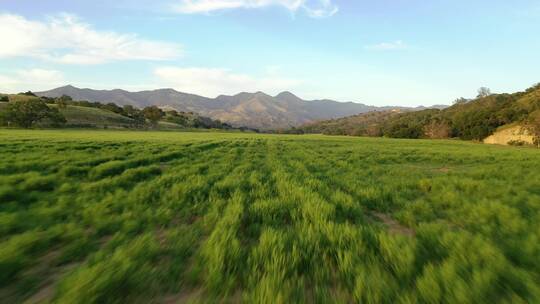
x,y
254,110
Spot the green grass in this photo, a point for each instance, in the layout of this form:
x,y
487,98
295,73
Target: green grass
x,y
85,116
139,217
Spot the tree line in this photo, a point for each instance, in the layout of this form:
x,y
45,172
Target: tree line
x,y
469,119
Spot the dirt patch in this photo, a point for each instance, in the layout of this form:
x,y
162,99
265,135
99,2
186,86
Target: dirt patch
x,y
46,269
193,219
507,134
443,170
104,240
393,226
161,236
47,289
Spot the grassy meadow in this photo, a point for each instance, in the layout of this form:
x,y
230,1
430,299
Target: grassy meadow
x,y
172,217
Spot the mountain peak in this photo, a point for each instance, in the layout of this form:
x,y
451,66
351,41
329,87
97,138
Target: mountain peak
x,y
166,90
245,95
286,94
261,94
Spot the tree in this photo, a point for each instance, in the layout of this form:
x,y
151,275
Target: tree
x,y
129,110
437,129
135,114
113,108
533,88
172,112
63,101
4,98
28,93
26,113
138,119
62,104
461,100
483,92
153,114
177,118
55,118
65,98
48,100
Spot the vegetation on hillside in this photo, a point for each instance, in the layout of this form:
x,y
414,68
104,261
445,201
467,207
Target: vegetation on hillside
x,y
466,119
27,110
109,217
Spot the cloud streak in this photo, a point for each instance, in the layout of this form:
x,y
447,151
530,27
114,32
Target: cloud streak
x,y
313,8
65,39
215,81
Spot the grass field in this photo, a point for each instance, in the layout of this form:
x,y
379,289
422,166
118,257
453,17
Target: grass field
x,y
167,217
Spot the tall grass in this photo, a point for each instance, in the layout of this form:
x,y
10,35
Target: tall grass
x,y
108,217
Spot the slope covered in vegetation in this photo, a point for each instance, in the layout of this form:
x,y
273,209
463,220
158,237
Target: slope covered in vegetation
x,y
98,115
78,116
467,119
152,217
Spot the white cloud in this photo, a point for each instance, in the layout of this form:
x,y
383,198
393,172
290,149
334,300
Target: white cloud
x,y
314,8
388,46
66,39
213,81
323,9
33,80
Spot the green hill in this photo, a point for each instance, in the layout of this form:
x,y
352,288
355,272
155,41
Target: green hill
x,y
96,115
93,117
367,124
472,120
78,116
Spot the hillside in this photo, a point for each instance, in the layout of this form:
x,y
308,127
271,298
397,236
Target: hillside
x,y
255,110
81,114
77,116
473,120
366,124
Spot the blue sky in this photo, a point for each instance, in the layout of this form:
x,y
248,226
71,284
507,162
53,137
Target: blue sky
x,y
386,52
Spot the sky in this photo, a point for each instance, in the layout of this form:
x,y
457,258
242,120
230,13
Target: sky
x,y
384,52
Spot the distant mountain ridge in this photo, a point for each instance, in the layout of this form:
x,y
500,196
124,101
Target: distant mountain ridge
x,y
255,110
